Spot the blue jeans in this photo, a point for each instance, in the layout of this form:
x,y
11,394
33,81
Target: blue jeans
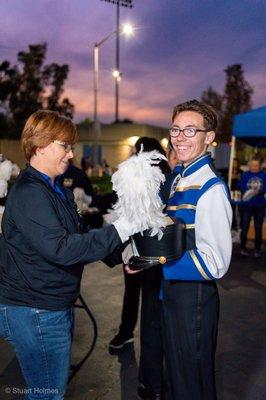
x,y
42,342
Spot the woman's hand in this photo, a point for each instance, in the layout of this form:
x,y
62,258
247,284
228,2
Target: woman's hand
x,y
132,271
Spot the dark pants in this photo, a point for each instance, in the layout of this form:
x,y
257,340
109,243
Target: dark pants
x,y
246,214
234,221
151,348
190,320
133,284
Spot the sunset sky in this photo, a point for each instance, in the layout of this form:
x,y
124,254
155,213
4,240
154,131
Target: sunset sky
x,y
179,48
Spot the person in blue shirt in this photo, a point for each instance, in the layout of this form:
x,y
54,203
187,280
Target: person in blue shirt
x,y
44,246
253,189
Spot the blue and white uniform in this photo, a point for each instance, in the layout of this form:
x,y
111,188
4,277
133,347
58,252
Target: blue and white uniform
x,y
201,200
190,300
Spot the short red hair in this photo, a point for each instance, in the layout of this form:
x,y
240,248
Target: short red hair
x,y
43,127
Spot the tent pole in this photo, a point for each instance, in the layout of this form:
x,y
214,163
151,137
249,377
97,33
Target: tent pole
x,y
232,156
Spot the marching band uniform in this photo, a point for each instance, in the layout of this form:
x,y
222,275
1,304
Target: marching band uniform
x,y
189,294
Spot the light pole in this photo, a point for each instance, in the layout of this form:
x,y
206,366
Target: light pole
x,y
117,63
127,4
127,30
96,73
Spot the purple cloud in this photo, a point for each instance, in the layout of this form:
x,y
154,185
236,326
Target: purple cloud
x,y
178,50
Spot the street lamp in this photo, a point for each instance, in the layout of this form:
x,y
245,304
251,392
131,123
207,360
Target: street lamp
x,y
118,4
117,75
126,29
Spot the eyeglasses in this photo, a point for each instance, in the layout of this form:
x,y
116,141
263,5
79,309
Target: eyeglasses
x,y
68,147
187,132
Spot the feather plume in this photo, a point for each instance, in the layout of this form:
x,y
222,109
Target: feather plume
x,y
3,188
5,170
137,183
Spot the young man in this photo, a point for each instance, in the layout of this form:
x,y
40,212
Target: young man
x,y
190,299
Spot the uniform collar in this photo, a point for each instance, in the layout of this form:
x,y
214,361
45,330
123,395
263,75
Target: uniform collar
x,y
196,164
178,169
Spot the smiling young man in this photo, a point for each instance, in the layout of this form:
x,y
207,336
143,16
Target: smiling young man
x,y
189,293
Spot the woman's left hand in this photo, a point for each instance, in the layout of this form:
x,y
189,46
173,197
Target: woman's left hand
x,y
132,271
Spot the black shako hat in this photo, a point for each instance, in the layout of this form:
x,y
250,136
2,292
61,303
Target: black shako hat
x,y
153,251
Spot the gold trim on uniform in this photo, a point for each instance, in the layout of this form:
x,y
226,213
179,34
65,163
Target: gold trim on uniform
x,y
182,206
160,259
198,265
169,221
184,188
190,226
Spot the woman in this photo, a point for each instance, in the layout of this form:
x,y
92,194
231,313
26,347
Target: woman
x,y
43,250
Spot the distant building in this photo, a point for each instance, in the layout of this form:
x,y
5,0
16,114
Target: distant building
x,y
116,140
115,143
11,149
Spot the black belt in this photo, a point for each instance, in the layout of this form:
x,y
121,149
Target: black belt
x,y
205,283
142,262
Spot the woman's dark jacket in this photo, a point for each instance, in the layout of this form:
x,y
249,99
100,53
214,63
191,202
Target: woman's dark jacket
x,y
43,248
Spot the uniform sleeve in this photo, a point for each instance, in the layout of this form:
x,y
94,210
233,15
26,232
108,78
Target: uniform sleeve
x,y
213,231
35,217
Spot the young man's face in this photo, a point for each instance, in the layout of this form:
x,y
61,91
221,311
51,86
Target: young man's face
x,y
189,148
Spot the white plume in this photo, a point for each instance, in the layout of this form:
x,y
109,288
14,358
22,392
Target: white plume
x,y
82,199
110,217
6,170
3,188
15,170
137,183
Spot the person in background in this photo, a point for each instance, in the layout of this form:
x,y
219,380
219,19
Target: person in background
x,y
172,158
87,165
75,177
253,189
263,164
150,144
43,248
236,175
149,282
79,183
107,170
